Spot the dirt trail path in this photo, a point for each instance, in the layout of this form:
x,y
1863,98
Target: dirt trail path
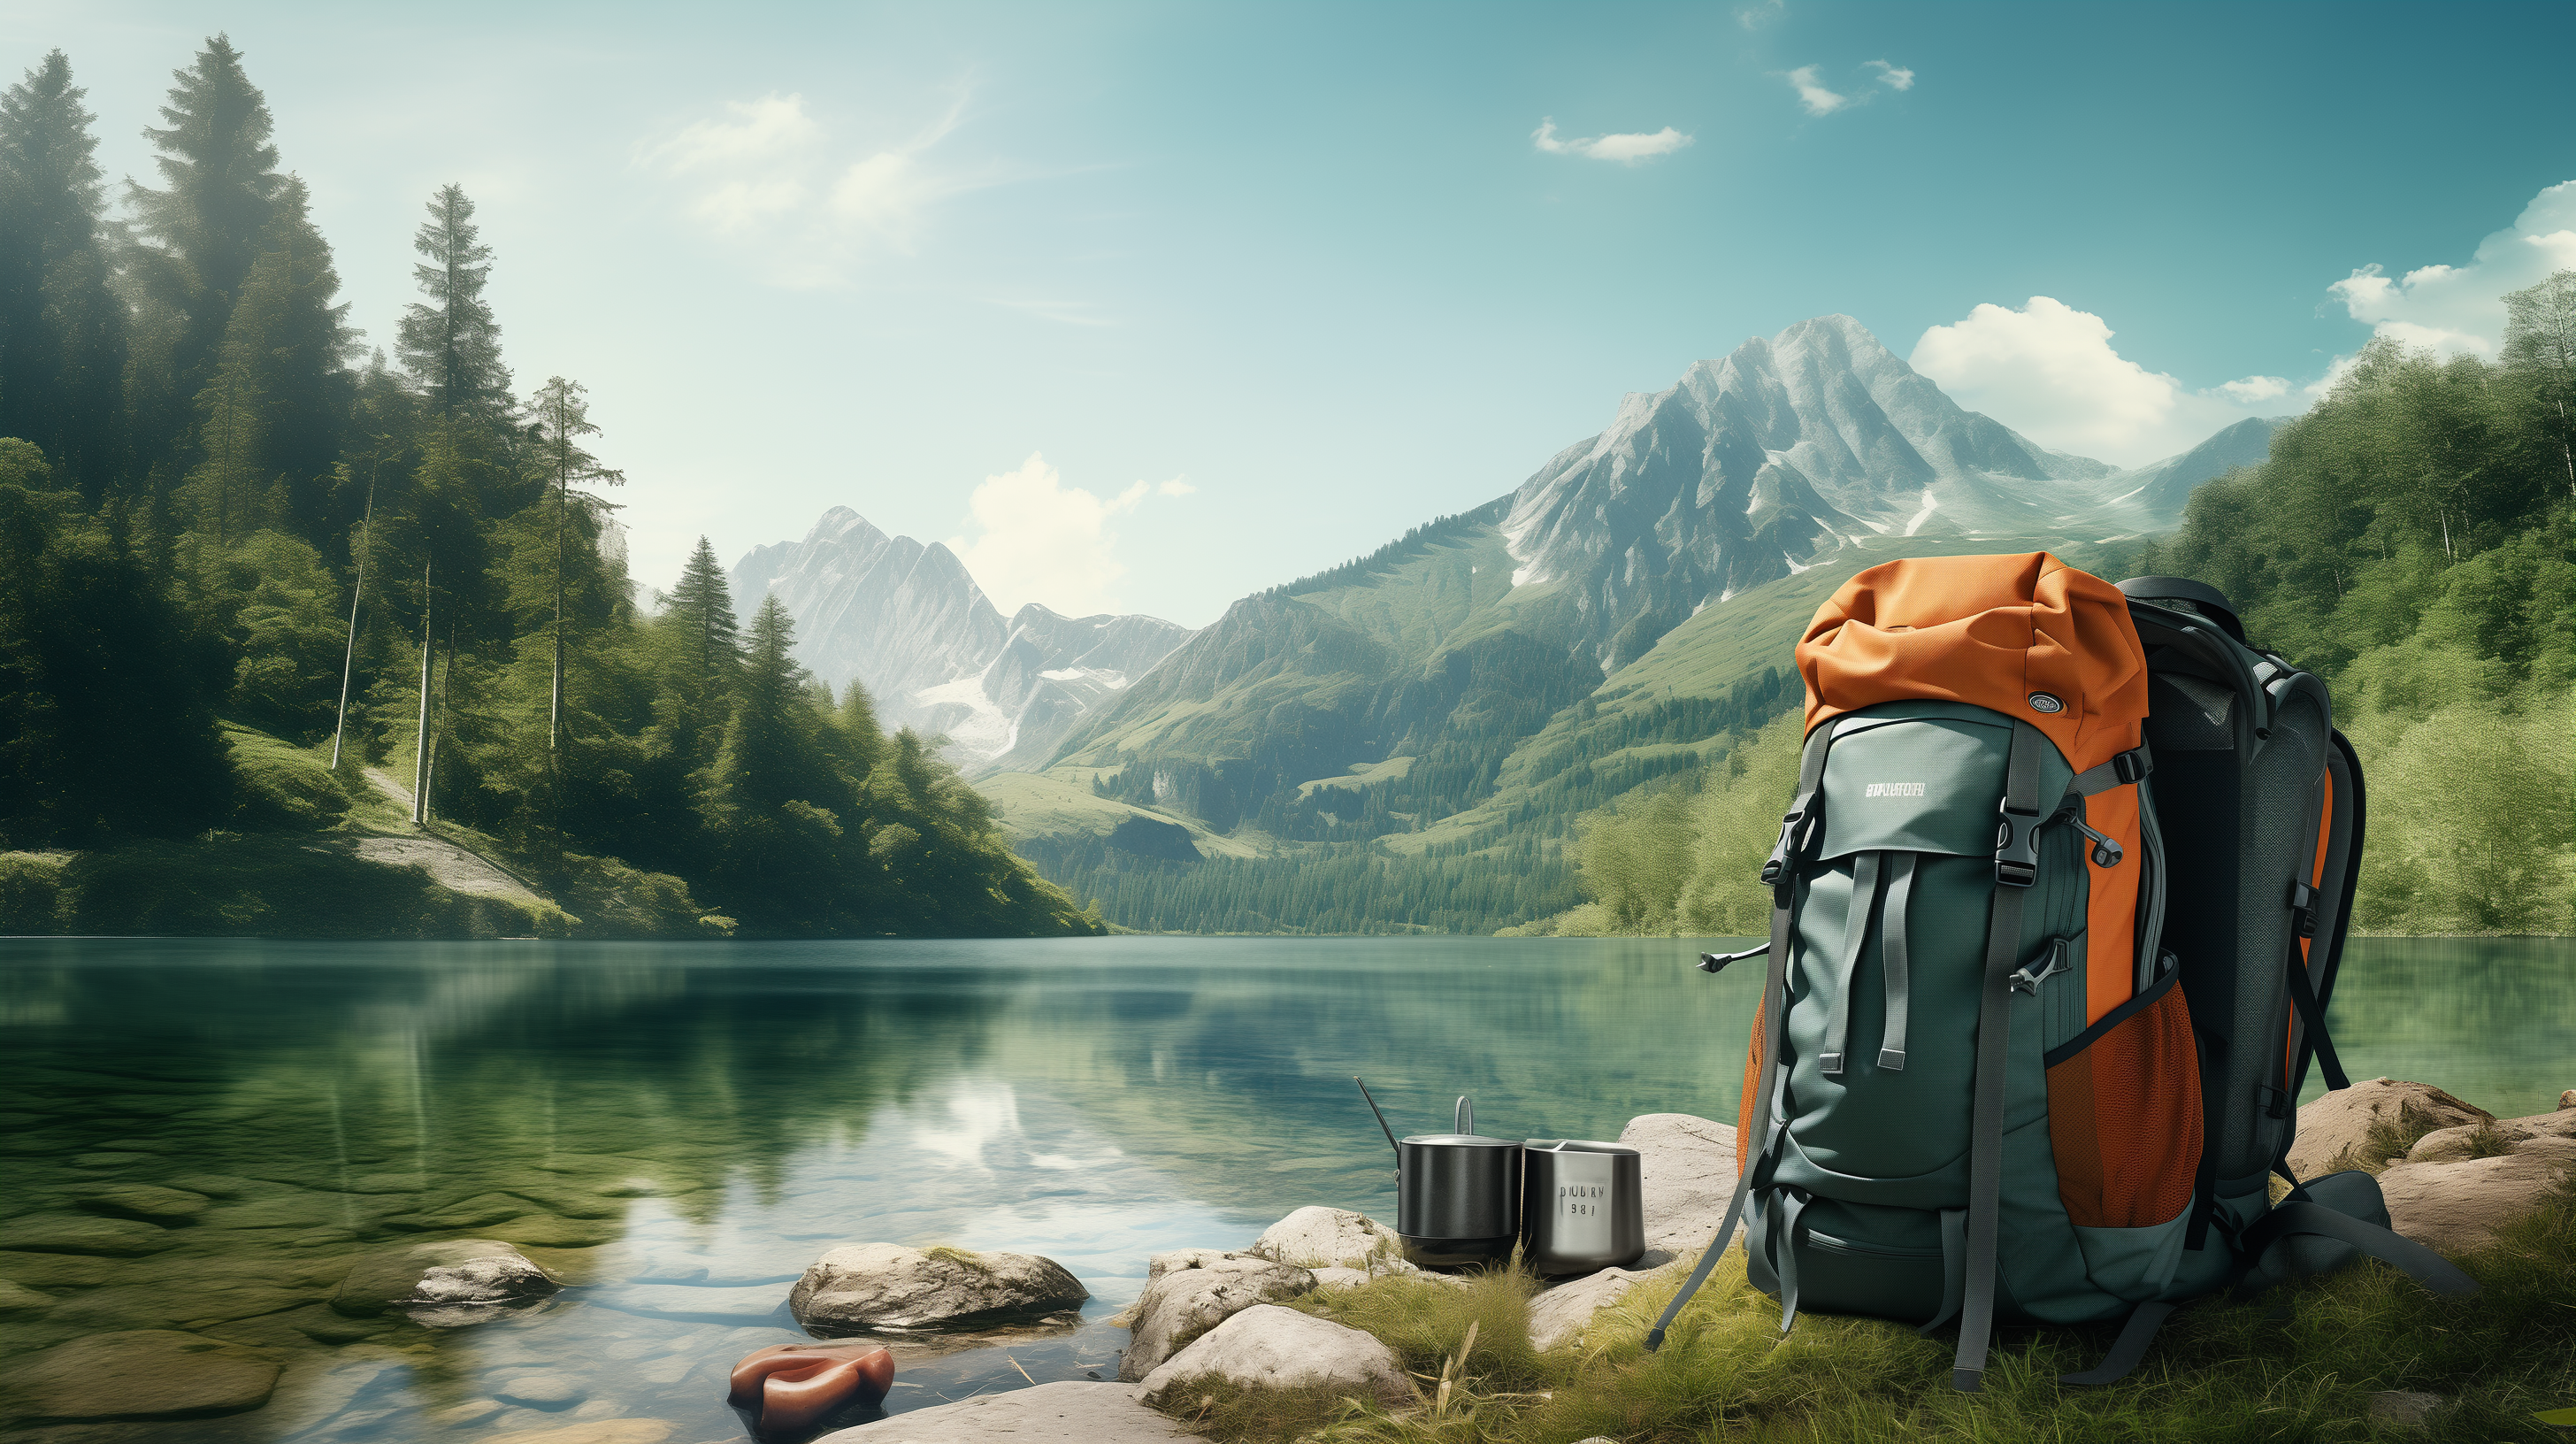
x,y
451,866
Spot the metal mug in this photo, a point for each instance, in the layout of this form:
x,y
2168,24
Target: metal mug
x,y
1582,1206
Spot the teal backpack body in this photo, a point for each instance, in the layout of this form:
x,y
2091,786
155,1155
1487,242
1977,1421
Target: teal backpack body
x,y
2057,909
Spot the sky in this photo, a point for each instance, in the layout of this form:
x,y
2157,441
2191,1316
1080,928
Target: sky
x,y
1144,307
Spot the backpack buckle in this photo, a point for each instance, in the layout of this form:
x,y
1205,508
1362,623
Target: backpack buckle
x,y
2303,908
2016,846
1791,846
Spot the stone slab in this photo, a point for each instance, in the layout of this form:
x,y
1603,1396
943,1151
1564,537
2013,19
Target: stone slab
x,y
1060,1413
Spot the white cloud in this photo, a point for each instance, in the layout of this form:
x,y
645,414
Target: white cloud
x,y
2049,371
1627,149
2248,390
1760,13
769,176
2458,310
1813,95
1894,77
1038,540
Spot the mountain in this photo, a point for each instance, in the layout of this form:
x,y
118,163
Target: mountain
x,y
1425,723
2162,487
905,619
1747,466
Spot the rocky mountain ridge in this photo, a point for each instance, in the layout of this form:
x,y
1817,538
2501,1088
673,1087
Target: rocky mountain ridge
x,y
905,619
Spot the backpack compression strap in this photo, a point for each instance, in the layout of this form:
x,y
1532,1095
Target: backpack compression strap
x,y
2016,868
1802,825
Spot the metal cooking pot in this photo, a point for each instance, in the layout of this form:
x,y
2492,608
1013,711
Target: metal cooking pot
x,y
1457,1194
1582,1206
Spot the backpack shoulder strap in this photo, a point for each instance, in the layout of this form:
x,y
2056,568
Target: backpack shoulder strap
x,y
1798,829
2021,817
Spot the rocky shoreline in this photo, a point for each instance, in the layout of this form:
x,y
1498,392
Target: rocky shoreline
x,y
2452,1174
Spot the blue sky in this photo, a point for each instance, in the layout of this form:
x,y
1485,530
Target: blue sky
x,y
1149,306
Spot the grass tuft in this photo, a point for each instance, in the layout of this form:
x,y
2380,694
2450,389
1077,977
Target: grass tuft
x,y
2219,1371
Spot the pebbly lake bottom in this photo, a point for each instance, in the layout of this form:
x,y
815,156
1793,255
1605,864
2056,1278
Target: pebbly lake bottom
x,y
677,1130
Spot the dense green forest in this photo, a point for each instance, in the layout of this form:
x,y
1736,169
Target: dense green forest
x,y
2413,540
244,560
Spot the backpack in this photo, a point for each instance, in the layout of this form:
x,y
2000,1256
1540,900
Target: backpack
x,y
2057,909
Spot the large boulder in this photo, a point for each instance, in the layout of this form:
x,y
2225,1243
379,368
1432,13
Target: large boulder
x,y
1268,1347
1687,1173
1061,1413
454,1281
1563,1313
1191,1291
875,1286
2458,1185
1333,1238
137,1374
2334,1132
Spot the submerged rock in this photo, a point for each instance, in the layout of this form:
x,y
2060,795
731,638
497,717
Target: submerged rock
x,y
465,1279
148,1203
83,1233
1060,1413
594,1431
1268,1347
870,1286
138,1374
1191,1291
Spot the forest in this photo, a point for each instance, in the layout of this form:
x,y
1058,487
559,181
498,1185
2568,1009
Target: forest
x,y
2412,540
246,560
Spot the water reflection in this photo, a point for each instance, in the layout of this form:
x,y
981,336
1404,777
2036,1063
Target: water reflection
x,y
679,1129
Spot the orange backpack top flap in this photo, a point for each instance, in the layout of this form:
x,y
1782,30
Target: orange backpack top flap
x,y
2025,635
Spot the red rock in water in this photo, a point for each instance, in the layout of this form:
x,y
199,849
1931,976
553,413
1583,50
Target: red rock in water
x,y
795,1386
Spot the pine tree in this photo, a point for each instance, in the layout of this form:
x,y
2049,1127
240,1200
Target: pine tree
x,y
451,344
703,604
563,418
62,333
200,236
768,750
279,400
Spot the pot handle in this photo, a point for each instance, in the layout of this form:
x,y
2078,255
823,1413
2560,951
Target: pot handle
x,y
1466,1118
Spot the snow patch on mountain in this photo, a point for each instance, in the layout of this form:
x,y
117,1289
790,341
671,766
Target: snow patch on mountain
x,y
907,621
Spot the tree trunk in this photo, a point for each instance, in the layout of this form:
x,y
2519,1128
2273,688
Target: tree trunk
x,y
554,708
420,748
349,657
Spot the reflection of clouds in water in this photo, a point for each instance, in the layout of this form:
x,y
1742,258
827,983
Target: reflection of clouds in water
x,y
981,1112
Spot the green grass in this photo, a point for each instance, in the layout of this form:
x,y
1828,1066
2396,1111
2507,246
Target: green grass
x,y
282,787
268,885
2220,1370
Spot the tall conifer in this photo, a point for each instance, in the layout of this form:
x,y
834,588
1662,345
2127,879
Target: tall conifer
x,y
62,333
450,343
563,418
703,603
279,399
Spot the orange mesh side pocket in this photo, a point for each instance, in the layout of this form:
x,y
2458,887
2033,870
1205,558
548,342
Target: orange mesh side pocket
x,y
2124,1114
1752,1081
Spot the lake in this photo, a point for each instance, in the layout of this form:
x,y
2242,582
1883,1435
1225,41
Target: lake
x,y
678,1129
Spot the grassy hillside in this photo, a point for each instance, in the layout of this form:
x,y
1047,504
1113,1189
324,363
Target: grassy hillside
x,y
1409,747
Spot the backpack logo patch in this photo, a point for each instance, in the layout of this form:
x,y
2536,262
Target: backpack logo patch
x,y
1893,789
2045,702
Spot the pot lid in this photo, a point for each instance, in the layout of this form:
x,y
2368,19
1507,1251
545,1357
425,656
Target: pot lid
x,y
1461,1140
